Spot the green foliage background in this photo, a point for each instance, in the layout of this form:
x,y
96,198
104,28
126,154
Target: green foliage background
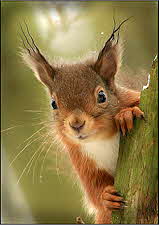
x,y
68,30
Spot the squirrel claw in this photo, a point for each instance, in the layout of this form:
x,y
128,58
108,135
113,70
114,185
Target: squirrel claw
x,y
125,202
120,208
112,199
118,194
143,118
124,119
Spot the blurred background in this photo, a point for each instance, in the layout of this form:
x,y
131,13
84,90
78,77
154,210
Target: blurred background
x,y
36,183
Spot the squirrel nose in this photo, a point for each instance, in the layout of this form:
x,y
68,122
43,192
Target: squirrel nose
x,y
77,125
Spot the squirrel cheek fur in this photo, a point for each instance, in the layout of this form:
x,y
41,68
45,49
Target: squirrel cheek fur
x,y
87,126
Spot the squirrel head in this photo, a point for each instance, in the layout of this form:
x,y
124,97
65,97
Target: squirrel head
x,y
83,95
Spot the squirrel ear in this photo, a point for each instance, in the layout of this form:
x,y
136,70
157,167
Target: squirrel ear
x,y
109,59
36,61
44,72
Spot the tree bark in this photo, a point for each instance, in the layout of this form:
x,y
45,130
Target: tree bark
x,y
137,169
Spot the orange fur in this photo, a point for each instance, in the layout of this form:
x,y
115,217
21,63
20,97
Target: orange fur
x,y
93,179
80,118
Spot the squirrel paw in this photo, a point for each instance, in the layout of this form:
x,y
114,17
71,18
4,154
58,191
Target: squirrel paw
x,y
124,119
111,199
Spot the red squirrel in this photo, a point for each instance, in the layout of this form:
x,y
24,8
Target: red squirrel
x,y
89,110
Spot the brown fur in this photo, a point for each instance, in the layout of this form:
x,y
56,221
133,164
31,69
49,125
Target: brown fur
x,y
75,89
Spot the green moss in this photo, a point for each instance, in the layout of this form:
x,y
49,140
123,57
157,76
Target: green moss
x,y
138,162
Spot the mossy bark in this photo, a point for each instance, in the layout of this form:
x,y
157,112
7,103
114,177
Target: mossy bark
x,y
137,169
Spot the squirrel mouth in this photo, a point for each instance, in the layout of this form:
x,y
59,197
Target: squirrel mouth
x,y
82,137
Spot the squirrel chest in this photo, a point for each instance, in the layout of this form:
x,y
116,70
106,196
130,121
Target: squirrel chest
x,y
103,152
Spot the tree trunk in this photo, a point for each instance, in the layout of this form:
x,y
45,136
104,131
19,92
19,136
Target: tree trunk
x,y
137,169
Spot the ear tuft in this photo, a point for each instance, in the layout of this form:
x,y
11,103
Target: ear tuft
x,y
44,72
109,60
35,60
110,57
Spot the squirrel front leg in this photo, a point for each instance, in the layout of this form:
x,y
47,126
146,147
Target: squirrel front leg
x,y
111,200
97,183
129,101
104,197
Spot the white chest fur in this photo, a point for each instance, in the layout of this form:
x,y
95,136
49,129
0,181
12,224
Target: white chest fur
x,y
104,152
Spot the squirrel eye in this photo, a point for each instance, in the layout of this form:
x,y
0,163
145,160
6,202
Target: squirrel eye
x,y
101,97
53,104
